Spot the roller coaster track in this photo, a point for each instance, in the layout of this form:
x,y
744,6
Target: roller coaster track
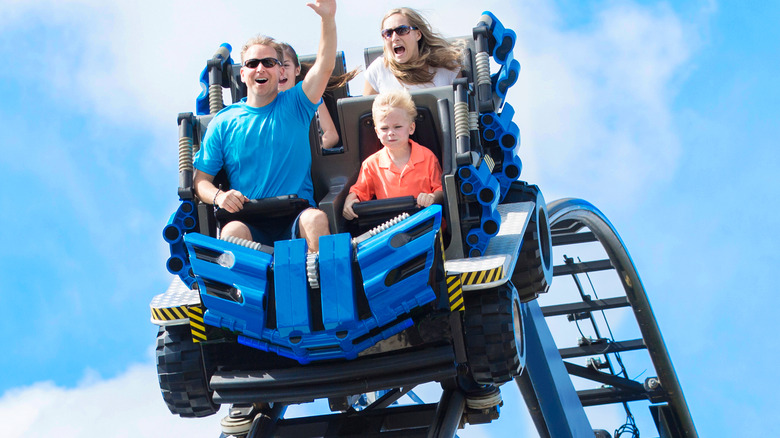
x,y
547,390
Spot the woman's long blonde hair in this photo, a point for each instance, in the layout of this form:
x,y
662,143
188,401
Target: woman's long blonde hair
x,y
434,51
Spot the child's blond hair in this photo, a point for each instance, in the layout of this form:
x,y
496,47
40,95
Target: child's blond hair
x,y
389,100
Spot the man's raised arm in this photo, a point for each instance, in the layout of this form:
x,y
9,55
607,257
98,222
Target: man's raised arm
x,y
317,79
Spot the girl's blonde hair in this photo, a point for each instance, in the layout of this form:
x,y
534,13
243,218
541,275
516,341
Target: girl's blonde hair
x,y
434,51
390,100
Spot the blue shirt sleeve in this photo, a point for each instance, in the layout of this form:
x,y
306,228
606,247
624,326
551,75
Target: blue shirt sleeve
x,y
209,158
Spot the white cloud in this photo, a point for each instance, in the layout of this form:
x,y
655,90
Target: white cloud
x,y
129,405
595,105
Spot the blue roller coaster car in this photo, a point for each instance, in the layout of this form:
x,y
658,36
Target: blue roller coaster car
x,y
398,297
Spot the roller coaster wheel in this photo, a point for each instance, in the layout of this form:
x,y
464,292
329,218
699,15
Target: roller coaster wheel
x,y
182,374
495,343
534,268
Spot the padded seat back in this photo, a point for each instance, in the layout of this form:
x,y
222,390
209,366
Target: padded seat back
x,y
433,130
424,134
433,126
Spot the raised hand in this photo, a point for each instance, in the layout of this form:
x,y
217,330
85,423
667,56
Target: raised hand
x,y
324,8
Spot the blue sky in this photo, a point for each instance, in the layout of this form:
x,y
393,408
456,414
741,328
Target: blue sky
x,y
662,114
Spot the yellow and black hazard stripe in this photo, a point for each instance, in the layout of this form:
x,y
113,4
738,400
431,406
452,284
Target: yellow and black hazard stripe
x,y
441,246
480,277
169,313
491,164
193,313
197,326
455,293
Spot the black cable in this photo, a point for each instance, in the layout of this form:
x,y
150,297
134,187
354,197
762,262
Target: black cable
x,y
630,425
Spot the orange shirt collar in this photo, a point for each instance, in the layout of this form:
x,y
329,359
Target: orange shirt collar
x,y
415,157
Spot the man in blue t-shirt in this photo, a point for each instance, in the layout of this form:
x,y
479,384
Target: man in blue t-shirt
x,y
262,141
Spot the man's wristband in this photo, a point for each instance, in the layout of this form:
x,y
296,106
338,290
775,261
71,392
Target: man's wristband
x,y
215,198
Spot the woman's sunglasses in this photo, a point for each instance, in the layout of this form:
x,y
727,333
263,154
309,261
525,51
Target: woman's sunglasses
x,y
400,30
267,62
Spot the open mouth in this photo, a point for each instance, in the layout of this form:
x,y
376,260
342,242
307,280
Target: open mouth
x,y
399,50
261,80
282,81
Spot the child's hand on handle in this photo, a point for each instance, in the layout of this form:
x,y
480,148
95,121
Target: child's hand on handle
x,y
425,200
348,213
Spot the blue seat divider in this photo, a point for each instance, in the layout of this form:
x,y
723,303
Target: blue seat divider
x,y
345,336
336,283
291,291
232,280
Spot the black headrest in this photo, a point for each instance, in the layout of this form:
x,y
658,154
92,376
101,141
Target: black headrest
x,y
424,134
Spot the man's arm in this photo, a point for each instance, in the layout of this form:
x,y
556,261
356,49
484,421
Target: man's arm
x,y
316,80
232,200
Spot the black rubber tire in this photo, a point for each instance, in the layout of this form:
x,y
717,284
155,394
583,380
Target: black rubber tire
x,y
495,344
181,373
534,269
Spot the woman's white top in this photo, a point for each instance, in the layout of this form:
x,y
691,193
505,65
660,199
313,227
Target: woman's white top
x,y
382,79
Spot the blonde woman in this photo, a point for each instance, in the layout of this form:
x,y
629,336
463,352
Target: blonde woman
x,y
413,55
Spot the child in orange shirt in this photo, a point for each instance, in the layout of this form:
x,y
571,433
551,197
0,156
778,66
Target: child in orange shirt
x,y
402,167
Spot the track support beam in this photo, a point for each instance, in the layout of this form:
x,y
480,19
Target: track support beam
x,y
562,415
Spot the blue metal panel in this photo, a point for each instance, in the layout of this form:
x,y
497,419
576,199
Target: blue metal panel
x,y
560,405
336,284
290,284
232,281
396,264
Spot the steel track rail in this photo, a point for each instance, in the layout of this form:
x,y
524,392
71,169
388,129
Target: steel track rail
x,y
572,214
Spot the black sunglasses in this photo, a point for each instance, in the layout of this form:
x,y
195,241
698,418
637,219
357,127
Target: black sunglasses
x,y
267,62
400,30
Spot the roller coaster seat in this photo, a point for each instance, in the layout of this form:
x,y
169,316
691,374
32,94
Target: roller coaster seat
x,y
333,175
